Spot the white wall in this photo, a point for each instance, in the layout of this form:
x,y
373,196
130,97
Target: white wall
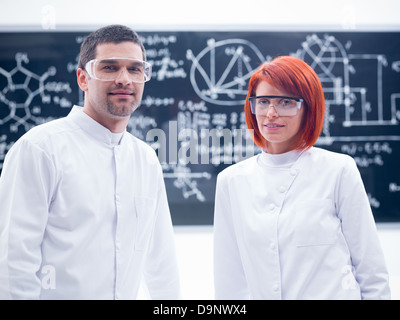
x,y
182,14
195,258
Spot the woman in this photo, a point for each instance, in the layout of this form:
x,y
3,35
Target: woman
x,y
293,222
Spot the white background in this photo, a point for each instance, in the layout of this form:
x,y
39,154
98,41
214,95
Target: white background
x,y
183,14
194,243
194,246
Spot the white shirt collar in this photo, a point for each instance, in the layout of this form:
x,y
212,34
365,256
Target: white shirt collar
x,y
94,128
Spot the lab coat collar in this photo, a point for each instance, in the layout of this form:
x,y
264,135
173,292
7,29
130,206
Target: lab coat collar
x,y
93,128
284,160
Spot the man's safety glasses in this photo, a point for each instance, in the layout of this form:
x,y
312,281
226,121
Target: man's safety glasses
x,y
109,69
284,106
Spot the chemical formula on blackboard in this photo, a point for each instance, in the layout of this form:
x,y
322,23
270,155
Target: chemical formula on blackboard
x,y
192,109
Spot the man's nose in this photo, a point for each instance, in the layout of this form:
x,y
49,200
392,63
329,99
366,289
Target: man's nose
x,y
123,77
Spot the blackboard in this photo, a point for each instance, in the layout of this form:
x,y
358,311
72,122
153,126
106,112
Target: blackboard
x,y
196,98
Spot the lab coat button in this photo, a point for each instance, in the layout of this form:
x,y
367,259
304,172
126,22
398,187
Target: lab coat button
x,y
275,288
282,189
293,172
271,207
272,245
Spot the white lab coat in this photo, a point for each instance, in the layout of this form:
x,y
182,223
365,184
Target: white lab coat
x,y
83,216
296,226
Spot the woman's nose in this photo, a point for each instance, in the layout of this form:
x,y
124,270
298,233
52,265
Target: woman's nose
x,y
271,112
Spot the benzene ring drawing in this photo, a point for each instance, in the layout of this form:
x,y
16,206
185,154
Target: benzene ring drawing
x,y
220,72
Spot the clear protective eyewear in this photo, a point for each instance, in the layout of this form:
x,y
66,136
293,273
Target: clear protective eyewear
x,y
109,69
284,106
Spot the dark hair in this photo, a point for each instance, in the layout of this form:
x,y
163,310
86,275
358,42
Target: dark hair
x,y
112,33
299,79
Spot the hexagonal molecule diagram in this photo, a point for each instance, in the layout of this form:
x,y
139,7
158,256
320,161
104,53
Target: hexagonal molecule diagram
x,y
19,87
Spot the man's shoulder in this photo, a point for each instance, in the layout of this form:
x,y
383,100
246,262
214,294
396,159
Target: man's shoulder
x,y
51,129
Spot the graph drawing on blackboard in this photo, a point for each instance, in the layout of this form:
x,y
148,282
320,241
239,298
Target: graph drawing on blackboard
x,y
199,84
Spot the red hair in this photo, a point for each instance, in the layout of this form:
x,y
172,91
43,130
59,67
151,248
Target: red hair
x,y
298,79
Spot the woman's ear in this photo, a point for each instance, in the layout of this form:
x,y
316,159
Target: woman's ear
x,y
82,78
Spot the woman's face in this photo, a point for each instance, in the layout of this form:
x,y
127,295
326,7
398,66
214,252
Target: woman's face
x,y
279,131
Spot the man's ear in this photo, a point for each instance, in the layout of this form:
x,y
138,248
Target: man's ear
x,y
82,78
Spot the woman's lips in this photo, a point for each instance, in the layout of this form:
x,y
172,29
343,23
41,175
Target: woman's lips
x,y
273,126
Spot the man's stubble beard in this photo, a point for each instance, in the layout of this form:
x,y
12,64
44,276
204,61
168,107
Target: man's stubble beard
x,y
125,111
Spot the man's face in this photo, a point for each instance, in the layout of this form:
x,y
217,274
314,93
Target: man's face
x,y
118,98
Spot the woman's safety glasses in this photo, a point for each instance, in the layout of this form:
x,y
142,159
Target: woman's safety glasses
x,y
284,106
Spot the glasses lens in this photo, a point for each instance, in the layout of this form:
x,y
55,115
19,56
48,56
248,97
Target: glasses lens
x,y
110,69
283,106
287,107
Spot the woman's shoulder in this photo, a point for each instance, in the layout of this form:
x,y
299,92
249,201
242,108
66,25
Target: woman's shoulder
x,y
243,167
328,158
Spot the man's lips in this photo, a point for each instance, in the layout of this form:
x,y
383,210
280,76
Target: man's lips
x,y
121,93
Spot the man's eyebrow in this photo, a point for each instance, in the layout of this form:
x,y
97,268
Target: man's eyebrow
x,y
108,61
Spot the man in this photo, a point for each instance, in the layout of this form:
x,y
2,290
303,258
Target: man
x,y
83,206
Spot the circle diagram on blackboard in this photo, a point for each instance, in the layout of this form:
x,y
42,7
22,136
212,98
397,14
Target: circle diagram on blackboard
x,y
225,82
